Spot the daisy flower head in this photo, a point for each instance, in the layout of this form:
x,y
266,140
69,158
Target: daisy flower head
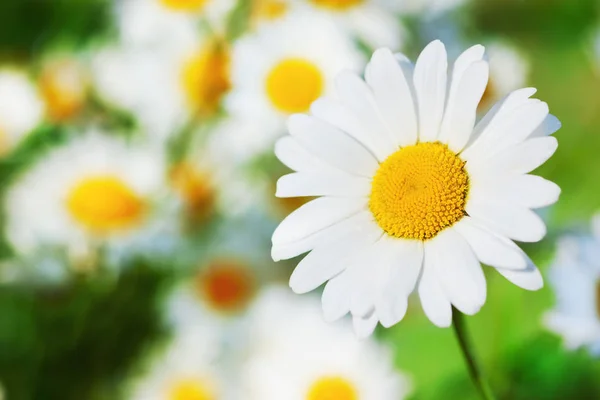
x,y
283,67
295,355
94,190
575,277
414,194
21,108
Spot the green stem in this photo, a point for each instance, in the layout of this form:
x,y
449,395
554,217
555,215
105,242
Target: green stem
x,y
458,321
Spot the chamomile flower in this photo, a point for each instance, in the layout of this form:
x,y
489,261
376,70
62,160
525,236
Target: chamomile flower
x,y
295,355
21,108
93,191
188,369
282,67
575,278
414,194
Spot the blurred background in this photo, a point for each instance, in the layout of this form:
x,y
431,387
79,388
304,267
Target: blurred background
x,y
137,187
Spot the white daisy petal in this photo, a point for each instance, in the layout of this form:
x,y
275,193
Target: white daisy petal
x,y
336,114
459,271
357,97
430,79
434,301
516,222
314,216
296,157
393,301
550,125
301,184
530,191
529,278
523,157
332,145
335,299
466,91
324,262
363,221
393,95
364,327
489,248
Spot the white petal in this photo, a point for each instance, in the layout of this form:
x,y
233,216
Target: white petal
x,y
458,271
515,222
465,93
316,215
393,96
430,79
335,299
523,157
490,248
550,125
338,115
332,145
364,327
362,221
528,278
323,183
296,157
326,261
357,97
435,304
529,191
392,304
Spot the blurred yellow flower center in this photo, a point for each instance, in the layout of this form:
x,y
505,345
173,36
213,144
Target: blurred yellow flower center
x,y
184,5
190,389
104,203
337,4
419,190
63,88
269,9
332,388
293,84
205,77
225,285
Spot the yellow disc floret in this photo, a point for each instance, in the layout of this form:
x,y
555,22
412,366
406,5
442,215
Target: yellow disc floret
x,y
184,5
337,4
104,203
332,388
419,191
293,84
191,389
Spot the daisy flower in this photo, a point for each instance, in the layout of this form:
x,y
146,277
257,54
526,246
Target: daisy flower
x,y
575,278
63,83
414,194
278,70
295,355
187,369
21,108
95,190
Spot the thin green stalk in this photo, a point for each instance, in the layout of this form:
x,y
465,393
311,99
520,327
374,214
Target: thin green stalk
x,y
458,321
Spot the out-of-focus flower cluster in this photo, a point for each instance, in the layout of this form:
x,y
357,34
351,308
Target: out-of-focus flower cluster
x,y
154,144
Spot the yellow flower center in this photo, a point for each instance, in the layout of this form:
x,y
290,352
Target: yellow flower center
x,y
190,389
184,5
104,203
268,9
332,388
205,77
225,285
293,84
63,87
419,190
338,5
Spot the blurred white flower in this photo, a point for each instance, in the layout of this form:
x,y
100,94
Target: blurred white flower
x,y
93,191
295,355
575,278
283,66
188,369
427,8
406,177
21,108
372,21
